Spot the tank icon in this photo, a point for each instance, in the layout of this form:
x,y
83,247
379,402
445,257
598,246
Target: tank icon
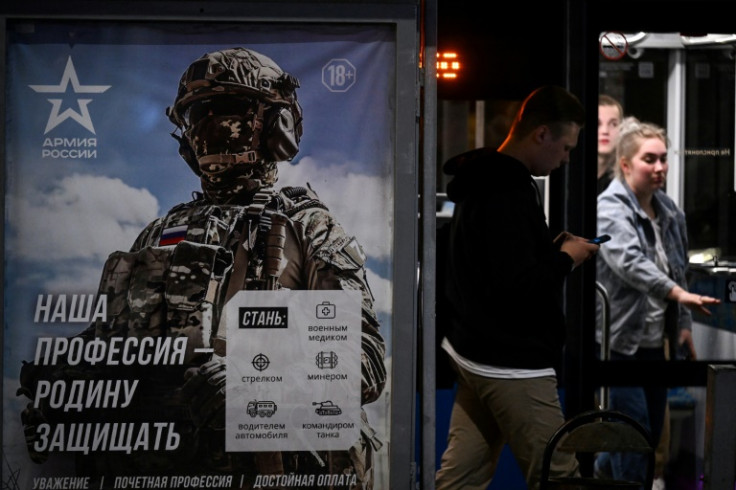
x,y
326,408
261,409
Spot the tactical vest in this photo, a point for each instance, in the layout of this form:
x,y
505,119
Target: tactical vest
x,y
174,280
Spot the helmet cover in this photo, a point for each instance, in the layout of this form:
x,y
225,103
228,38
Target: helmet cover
x,y
236,108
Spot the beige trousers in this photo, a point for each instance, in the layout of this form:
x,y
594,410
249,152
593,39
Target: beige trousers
x,y
489,413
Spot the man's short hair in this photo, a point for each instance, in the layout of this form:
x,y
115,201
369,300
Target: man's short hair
x,y
607,100
549,105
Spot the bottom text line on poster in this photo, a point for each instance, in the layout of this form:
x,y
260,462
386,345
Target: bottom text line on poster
x,y
197,481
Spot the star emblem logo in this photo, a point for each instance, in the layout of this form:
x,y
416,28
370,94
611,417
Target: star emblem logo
x,y
82,116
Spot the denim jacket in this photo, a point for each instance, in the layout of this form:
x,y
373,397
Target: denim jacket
x,y
626,267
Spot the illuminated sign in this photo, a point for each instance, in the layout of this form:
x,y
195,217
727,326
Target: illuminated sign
x,y
448,66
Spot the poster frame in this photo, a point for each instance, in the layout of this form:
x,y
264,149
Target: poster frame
x,y
403,16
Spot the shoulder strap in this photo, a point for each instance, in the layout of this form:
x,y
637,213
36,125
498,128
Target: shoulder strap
x,y
299,198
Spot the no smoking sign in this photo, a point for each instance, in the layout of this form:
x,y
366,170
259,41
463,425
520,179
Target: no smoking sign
x,y
613,45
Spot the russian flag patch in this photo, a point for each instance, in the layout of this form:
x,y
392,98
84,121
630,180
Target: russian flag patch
x,y
173,235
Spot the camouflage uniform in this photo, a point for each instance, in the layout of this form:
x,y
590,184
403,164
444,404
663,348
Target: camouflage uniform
x,y
239,234
166,291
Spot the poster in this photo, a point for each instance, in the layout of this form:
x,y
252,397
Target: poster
x,y
90,162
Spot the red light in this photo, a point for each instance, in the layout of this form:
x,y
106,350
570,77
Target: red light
x,y
448,65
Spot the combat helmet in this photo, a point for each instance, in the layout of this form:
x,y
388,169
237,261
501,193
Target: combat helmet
x,y
237,114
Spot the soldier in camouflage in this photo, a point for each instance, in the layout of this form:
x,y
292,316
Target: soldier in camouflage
x,y
237,117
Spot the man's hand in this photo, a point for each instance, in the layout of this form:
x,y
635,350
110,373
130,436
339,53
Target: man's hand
x,y
578,248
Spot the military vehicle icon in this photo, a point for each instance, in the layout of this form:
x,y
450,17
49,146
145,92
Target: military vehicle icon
x,y
327,408
260,409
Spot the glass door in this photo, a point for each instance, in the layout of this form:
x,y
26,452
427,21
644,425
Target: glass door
x,y
685,84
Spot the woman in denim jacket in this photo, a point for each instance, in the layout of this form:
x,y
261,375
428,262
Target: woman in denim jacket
x,y
643,270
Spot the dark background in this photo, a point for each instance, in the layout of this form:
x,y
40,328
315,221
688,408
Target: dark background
x,y
507,48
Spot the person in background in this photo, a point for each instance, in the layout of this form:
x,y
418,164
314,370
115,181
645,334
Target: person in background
x,y
643,269
504,283
610,114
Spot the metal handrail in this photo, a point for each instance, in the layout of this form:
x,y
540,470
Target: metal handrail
x,y
605,335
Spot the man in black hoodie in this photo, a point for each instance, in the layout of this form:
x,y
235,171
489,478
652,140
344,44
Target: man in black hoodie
x,y
504,285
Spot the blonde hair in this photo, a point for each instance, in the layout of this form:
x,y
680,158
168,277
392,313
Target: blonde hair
x,y
630,136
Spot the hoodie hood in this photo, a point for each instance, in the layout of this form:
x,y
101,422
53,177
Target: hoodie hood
x,y
482,170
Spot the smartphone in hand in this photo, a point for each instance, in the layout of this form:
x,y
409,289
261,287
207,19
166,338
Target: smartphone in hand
x,y
600,239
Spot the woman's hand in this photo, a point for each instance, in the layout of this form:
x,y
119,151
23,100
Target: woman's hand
x,y
696,302
686,343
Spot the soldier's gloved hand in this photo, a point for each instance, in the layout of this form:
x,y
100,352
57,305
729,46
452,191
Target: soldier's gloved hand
x,y
29,375
204,392
32,418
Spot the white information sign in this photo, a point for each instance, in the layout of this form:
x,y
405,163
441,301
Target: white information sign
x,y
293,370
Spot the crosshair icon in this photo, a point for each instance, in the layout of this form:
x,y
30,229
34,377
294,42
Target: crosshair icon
x,y
260,362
